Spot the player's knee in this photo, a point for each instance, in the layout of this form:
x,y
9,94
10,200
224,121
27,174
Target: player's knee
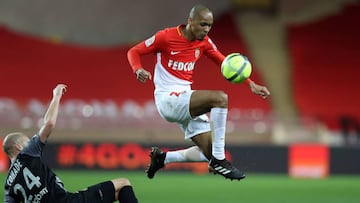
x,y
221,99
121,182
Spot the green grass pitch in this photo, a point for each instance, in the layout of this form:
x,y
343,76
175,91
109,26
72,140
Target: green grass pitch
x,y
181,187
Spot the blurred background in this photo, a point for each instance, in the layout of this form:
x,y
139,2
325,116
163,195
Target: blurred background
x,y
306,53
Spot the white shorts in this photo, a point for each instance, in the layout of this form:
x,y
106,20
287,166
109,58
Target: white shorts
x,y
174,107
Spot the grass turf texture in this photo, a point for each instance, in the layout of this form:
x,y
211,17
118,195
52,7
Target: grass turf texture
x,y
176,187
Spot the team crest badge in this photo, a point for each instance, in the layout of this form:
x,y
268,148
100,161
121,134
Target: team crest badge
x,y
197,52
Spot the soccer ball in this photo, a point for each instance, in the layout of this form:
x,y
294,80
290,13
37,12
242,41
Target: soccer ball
x,y
236,68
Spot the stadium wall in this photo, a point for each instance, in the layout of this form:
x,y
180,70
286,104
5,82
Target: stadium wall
x,y
31,66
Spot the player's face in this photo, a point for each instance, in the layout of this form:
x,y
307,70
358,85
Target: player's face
x,y
201,24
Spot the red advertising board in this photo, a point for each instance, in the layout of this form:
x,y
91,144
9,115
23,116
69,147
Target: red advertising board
x,y
309,160
4,160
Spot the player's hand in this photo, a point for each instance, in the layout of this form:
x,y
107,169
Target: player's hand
x,y
142,75
259,90
59,90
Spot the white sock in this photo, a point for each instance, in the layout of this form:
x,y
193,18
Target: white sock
x,y
218,117
191,154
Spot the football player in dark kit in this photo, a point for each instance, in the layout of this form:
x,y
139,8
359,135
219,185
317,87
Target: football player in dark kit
x,y
31,180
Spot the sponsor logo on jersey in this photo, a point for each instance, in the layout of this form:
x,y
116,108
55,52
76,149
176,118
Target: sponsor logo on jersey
x,y
174,52
40,195
181,66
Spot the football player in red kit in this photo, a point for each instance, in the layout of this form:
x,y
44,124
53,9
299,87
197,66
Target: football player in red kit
x,y
177,49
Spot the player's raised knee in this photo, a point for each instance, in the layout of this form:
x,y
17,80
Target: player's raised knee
x,y
220,99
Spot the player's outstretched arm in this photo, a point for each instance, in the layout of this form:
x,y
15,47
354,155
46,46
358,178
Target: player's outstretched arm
x,y
52,112
258,89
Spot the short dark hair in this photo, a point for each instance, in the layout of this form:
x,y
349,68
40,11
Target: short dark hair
x,y
195,10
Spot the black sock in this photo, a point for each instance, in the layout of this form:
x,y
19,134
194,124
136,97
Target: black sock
x,y
127,195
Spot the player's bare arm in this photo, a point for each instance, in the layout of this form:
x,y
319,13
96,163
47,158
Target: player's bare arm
x,y
52,112
259,90
142,75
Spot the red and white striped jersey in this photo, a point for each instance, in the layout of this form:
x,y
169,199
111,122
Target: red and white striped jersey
x,y
176,57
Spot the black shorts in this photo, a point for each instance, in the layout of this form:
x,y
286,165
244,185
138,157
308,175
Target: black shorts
x,y
100,193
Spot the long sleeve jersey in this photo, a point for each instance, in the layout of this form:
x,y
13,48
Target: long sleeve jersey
x,y
175,57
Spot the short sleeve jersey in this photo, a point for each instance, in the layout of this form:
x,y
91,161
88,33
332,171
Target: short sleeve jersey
x,y
30,180
175,57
